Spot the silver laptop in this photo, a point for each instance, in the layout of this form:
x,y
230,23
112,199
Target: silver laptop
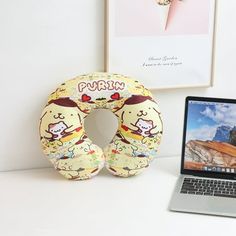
x,y
207,183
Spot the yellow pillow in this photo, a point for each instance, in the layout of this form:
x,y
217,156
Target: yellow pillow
x,y
63,136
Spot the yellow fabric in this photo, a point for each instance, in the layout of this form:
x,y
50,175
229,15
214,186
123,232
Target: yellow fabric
x,y
66,144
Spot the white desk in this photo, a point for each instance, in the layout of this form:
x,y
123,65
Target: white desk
x,y
40,202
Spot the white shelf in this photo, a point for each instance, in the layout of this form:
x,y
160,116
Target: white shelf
x,y
41,203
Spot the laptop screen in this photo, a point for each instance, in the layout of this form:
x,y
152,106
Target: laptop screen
x,y
210,136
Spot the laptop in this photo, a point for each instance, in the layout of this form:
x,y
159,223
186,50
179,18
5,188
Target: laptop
x,y
207,183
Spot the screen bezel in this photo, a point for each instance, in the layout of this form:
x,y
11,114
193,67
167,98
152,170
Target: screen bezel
x,y
209,174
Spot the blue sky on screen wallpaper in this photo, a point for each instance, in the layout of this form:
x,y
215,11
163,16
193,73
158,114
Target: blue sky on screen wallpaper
x,y
204,118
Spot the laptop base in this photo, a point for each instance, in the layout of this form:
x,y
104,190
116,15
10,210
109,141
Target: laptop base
x,y
201,204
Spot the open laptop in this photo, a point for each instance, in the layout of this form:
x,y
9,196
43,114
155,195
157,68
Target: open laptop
x,y
207,183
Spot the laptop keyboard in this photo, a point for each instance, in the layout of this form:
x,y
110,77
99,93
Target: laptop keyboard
x,y
219,188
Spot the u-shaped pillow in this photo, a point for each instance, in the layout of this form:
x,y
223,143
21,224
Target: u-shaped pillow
x,y
63,136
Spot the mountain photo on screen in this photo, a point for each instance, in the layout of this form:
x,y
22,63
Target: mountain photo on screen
x,y
210,136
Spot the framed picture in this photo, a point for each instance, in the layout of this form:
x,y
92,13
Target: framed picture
x,y
163,43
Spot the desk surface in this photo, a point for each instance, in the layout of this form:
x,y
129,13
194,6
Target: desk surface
x,y
41,203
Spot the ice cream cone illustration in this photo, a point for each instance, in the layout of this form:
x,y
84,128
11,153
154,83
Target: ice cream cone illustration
x,y
163,9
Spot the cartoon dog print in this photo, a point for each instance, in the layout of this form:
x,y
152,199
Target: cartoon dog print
x,y
151,142
63,112
85,147
62,91
117,104
50,147
139,89
65,90
83,167
66,167
138,109
125,166
123,146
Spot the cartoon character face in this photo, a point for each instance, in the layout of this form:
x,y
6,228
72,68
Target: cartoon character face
x,y
138,109
62,111
144,126
57,129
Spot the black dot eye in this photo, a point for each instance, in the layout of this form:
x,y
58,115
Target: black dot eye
x,y
149,108
71,114
130,112
50,111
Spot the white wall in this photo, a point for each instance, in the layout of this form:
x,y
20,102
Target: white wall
x,y
43,43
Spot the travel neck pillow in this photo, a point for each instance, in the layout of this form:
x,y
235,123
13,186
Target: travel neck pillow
x,y
63,137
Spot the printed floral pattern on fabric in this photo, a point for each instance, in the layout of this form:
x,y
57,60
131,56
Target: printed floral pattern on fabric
x,y
66,144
